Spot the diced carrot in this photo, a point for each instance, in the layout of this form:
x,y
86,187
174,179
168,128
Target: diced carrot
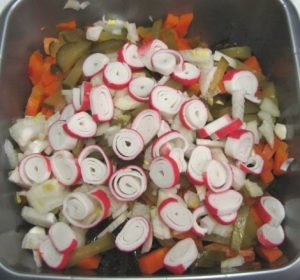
x,y
195,88
249,201
68,25
52,88
35,67
270,255
267,152
35,101
253,63
47,43
248,254
220,247
182,44
267,177
221,87
184,23
92,262
258,148
255,217
280,145
153,261
47,112
171,21
268,165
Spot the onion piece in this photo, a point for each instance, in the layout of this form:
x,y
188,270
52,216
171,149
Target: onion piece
x,y
94,64
133,235
147,123
128,144
129,54
128,184
34,217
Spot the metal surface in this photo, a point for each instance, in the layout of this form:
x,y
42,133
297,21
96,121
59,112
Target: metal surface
x,y
270,27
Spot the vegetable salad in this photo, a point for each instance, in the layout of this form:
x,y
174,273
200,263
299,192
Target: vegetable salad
x,y
145,141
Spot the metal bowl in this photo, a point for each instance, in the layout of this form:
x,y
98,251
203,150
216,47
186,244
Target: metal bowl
x,y
270,27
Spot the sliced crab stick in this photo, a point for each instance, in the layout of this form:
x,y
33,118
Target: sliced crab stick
x,y
34,169
193,114
166,61
59,139
129,54
65,168
270,210
117,75
175,215
226,219
223,203
140,88
214,126
128,144
181,256
81,125
146,50
254,165
239,145
217,176
270,236
94,64
128,184
196,166
52,257
164,172
94,170
147,123
164,128
81,95
166,142
67,112
101,103
133,235
227,129
188,76
62,237
198,213
177,155
103,200
166,100
239,178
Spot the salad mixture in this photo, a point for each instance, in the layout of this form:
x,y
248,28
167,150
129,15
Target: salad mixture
x,y
145,141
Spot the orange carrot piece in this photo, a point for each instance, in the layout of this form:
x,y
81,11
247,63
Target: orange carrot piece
x,y
182,44
267,152
248,254
47,43
267,177
220,247
52,88
253,63
153,261
47,112
270,255
35,67
35,101
255,217
195,88
258,148
171,21
268,165
221,87
68,25
250,201
184,23
92,262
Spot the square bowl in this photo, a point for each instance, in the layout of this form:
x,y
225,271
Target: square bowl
x,y
270,27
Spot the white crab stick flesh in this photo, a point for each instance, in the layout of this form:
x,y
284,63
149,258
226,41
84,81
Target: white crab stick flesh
x,y
81,125
128,184
175,215
101,103
62,237
239,178
178,155
128,144
147,123
196,166
167,61
189,75
226,219
117,75
181,256
164,172
133,235
270,210
65,168
214,126
193,114
146,50
140,88
94,64
168,141
239,145
254,165
129,54
80,96
85,210
52,257
95,166
199,213
67,112
59,139
270,236
217,176
34,169
166,100
223,203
